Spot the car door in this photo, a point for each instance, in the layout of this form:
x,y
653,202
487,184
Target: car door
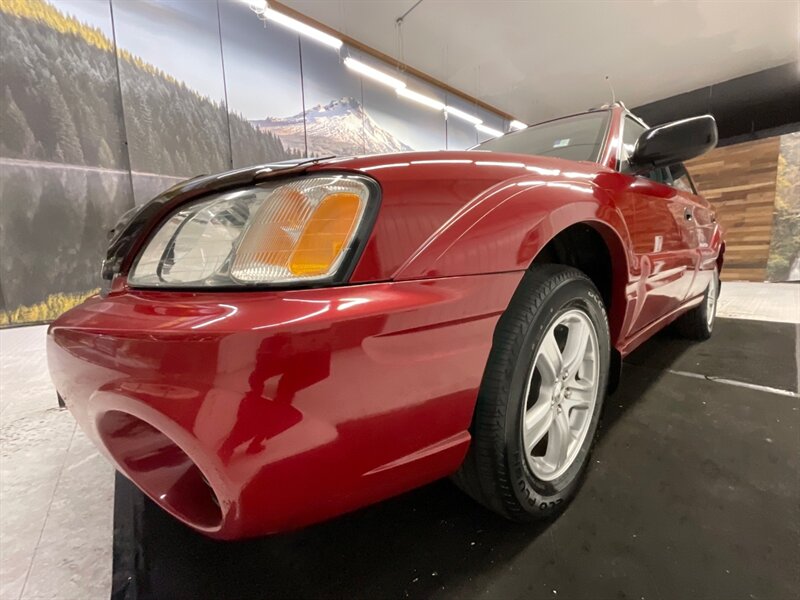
x,y
702,224
663,234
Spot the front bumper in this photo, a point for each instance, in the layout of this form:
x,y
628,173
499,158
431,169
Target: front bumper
x,y
250,413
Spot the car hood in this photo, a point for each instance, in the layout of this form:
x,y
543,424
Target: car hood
x,y
421,191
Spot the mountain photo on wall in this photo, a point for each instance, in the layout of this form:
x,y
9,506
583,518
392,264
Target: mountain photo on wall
x,y
103,110
339,128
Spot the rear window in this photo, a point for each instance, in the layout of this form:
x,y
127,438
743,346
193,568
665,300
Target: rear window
x,y
575,138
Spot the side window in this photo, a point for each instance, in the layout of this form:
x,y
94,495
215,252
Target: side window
x,y
681,179
631,131
660,175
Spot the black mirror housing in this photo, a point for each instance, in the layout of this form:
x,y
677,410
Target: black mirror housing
x,y
674,142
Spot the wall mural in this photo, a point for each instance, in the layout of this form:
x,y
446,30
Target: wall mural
x,y
105,103
784,252
64,177
262,79
396,123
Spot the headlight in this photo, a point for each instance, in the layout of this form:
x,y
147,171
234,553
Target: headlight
x,y
299,231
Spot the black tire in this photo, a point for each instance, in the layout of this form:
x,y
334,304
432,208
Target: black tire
x,y
495,471
696,324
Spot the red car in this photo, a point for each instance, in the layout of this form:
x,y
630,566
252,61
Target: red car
x,y
281,344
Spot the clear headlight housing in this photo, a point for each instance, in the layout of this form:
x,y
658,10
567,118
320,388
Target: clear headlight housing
x,y
295,231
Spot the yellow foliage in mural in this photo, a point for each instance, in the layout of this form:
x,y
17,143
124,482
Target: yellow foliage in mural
x,y
43,12
51,308
784,256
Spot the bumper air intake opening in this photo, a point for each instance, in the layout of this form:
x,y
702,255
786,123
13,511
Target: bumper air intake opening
x,y
161,469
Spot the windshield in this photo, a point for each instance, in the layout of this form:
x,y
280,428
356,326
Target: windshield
x,y
574,138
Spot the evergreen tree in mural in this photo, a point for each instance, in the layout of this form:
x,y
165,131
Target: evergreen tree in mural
x,y
61,103
17,136
784,255
65,90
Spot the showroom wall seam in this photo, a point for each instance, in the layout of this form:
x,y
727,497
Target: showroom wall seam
x,y
123,126
303,94
363,116
225,87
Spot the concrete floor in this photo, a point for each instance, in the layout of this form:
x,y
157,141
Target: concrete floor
x,y
779,302
56,492
56,496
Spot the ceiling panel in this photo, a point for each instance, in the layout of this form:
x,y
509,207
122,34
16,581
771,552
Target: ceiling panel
x,y
541,59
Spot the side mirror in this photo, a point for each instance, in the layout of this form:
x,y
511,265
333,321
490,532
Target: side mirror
x,y
674,142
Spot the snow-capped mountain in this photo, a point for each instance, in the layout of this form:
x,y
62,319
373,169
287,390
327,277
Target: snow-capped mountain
x,y
341,127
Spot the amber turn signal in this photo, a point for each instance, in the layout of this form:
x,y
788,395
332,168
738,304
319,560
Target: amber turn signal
x,y
325,234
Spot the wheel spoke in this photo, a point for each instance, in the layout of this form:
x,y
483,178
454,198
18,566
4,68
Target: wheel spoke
x,y
558,440
584,384
549,359
578,398
537,422
575,349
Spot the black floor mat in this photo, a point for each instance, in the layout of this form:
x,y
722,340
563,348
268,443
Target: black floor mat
x,y
692,492
756,352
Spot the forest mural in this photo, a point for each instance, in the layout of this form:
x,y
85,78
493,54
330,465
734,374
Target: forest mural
x,y
106,103
784,252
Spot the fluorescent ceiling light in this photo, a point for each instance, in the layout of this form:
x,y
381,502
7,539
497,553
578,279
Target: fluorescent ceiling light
x,y
517,125
300,27
462,115
422,99
488,130
366,70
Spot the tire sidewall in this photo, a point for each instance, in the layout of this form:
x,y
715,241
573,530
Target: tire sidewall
x,y
537,496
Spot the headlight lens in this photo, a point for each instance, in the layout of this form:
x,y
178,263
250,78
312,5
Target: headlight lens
x,y
294,232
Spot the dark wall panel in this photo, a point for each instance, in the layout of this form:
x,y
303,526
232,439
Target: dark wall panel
x,y
757,105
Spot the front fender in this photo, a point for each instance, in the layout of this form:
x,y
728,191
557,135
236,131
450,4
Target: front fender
x,y
505,228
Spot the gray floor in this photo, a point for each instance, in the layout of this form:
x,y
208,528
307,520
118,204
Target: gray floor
x,y
56,492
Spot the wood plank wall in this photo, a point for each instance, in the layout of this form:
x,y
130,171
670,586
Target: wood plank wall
x,y
740,181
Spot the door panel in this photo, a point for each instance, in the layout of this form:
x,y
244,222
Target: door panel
x,y
664,242
705,226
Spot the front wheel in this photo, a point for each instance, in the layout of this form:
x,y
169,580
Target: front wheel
x,y
541,396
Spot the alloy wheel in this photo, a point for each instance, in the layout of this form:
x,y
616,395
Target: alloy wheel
x,y
560,394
